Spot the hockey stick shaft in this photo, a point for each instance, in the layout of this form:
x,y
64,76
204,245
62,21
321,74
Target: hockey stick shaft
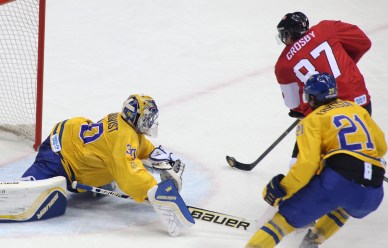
x,y
247,167
197,213
277,141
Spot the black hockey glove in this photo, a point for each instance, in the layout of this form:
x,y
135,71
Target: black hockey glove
x,y
295,114
273,192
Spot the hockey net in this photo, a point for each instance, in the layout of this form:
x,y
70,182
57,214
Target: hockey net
x,y
21,67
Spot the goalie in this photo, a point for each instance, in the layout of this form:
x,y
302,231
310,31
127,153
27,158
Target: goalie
x,y
115,150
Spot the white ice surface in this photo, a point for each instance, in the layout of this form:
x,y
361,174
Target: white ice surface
x,y
209,65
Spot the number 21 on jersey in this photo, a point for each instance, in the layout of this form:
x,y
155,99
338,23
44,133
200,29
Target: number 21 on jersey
x,y
348,129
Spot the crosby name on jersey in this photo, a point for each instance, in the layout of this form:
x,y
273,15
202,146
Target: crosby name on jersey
x,y
299,44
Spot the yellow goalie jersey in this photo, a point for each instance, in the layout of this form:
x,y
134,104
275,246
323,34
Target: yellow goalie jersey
x,y
99,153
338,127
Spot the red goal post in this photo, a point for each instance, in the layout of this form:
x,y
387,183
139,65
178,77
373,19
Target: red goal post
x,y
22,26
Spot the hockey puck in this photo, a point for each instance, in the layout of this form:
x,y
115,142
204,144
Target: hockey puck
x,y
231,161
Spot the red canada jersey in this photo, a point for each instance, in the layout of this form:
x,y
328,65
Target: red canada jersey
x,y
330,46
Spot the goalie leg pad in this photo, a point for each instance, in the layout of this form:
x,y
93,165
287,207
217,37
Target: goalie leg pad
x,y
22,201
170,207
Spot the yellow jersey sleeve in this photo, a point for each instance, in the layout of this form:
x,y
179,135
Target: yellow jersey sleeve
x,y
308,138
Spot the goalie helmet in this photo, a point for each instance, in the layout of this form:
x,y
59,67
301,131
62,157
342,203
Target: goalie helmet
x,y
323,87
141,113
292,27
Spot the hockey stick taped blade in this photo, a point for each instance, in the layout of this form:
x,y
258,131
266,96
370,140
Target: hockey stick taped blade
x,y
248,167
235,164
244,167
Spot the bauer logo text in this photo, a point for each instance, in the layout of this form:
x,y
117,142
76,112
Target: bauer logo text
x,y
47,207
219,219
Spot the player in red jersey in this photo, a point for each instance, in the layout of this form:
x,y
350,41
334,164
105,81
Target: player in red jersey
x,y
334,47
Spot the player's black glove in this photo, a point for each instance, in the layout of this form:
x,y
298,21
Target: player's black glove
x,y
274,192
296,114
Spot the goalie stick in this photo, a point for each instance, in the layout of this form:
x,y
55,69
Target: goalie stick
x,y
198,213
247,167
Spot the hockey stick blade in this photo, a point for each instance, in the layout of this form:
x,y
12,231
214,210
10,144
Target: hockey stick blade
x,y
247,167
234,163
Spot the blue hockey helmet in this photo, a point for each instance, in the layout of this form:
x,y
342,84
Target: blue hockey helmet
x,y
292,27
141,113
323,87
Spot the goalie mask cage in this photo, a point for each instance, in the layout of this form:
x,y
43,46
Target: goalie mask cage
x,y
22,25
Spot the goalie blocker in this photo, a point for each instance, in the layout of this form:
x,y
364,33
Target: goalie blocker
x,y
170,207
22,201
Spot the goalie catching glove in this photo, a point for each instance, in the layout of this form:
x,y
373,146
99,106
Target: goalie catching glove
x,y
165,164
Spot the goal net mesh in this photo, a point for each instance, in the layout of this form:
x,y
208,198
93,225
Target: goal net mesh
x,y
19,32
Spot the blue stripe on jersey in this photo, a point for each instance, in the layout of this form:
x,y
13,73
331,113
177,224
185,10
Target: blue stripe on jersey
x,y
61,132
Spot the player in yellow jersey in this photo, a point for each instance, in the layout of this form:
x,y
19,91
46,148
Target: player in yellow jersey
x,y
113,149
338,173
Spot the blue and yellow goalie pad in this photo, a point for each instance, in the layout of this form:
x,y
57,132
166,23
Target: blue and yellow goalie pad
x,y
22,201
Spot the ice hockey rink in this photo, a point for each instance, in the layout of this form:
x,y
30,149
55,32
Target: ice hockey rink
x,y
209,64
